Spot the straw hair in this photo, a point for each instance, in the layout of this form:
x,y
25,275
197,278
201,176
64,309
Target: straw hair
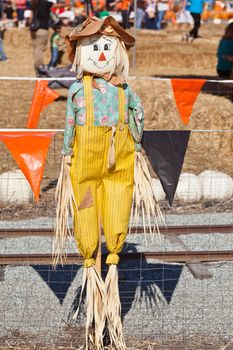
x,y
76,67
65,205
228,346
114,309
96,309
103,308
144,200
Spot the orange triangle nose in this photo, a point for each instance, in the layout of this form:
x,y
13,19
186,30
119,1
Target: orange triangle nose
x,y
102,57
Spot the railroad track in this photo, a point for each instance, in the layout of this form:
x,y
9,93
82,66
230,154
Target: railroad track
x,y
183,256
173,257
170,230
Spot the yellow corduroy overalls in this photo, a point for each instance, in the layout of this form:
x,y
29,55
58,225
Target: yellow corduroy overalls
x,y
101,193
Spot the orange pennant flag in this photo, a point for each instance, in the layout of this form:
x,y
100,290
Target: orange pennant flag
x,y
42,97
186,92
29,150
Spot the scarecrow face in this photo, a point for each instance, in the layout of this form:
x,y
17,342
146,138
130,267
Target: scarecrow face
x,y
98,54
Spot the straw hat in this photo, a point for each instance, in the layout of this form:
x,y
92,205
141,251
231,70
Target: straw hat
x,y
93,25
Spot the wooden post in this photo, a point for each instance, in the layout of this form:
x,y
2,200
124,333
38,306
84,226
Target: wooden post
x,y
98,266
99,252
231,77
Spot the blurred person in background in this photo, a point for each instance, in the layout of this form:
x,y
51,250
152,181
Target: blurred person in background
x,y
184,19
151,13
140,13
21,6
79,12
196,8
28,14
40,30
123,6
8,10
55,46
225,53
103,13
98,6
3,56
1,8
162,7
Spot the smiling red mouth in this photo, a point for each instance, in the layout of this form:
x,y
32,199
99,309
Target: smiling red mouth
x,y
102,66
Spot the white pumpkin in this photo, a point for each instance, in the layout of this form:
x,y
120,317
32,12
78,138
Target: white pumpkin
x,y
217,21
14,188
158,190
216,185
189,188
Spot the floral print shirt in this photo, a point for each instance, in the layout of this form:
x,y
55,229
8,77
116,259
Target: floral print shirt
x,y
105,101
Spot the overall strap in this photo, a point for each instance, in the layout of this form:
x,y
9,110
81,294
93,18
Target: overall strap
x,y
121,120
121,105
89,103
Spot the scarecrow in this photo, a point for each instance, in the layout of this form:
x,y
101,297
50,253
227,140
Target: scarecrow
x,y
102,167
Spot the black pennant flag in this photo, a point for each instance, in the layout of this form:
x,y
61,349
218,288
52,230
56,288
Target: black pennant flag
x,y
166,151
59,280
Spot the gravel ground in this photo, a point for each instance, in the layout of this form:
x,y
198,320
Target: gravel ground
x,y
159,301
134,242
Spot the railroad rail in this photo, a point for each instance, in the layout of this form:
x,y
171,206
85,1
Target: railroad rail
x,y
174,257
169,230
184,256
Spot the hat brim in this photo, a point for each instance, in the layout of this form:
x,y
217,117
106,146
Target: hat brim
x,y
93,25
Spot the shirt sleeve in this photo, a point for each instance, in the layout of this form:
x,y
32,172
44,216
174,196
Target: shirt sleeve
x,y
70,123
136,117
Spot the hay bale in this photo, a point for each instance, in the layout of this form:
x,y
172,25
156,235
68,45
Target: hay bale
x,y
14,188
216,185
189,188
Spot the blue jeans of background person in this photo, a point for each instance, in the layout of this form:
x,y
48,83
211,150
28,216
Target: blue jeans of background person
x,y
160,15
20,14
54,57
3,56
125,19
150,22
139,18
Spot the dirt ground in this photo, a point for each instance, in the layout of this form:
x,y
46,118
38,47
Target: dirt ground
x,y
71,338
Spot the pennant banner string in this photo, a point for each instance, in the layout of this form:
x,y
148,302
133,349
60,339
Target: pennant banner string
x,y
132,77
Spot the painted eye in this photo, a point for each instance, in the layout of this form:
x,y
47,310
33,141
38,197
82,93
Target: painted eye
x,y
106,47
96,47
